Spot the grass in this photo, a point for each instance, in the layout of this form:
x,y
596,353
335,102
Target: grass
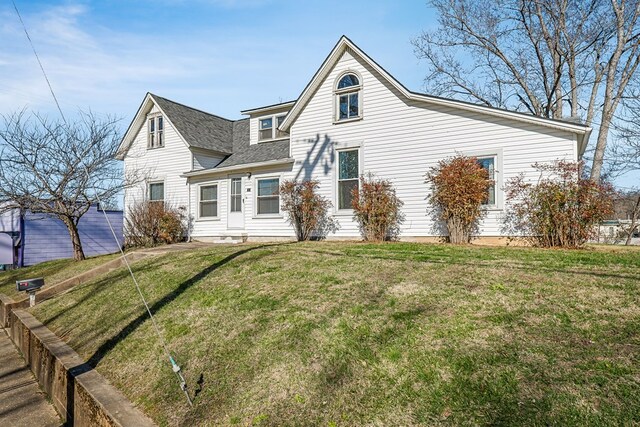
x,y
351,334
52,271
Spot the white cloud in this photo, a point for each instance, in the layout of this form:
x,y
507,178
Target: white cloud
x,y
109,71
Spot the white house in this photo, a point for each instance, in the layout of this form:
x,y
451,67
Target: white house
x,y
353,118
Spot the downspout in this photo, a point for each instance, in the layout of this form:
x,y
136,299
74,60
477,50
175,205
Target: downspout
x,y
22,240
189,220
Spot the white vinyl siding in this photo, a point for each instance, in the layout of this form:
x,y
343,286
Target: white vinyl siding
x,y
203,159
401,139
165,165
255,225
397,139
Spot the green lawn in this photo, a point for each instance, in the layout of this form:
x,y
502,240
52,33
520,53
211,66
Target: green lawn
x,y
352,334
52,271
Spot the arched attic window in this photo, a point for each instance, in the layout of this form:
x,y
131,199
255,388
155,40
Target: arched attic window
x,y
348,97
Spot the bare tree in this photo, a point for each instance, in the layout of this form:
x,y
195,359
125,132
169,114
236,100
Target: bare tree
x,y
551,58
631,209
57,168
626,148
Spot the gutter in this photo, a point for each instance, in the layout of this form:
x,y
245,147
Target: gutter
x,y
207,172
269,108
584,139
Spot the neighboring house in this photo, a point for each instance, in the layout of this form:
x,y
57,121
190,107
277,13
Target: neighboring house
x,y
625,216
34,238
615,231
353,118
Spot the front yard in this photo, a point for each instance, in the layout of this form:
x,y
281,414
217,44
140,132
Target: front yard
x,y
53,272
348,334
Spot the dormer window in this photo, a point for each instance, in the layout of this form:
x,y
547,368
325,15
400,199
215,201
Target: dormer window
x,y
348,97
279,133
156,132
268,128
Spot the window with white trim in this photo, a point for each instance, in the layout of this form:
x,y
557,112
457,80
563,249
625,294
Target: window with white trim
x,y
268,196
265,130
348,99
279,133
268,128
155,126
489,163
208,201
156,192
348,176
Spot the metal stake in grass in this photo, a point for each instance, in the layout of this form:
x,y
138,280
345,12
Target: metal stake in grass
x,y
174,366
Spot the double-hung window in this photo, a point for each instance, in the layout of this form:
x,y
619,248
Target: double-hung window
x,y
489,163
279,133
156,132
268,196
266,129
348,97
348,177
208,201
156,192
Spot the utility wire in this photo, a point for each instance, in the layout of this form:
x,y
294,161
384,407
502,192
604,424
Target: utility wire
x,y
174,366
24,27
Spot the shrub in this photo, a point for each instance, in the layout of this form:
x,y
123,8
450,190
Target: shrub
x,y
376,208
460,186
153,223
306,210
561,210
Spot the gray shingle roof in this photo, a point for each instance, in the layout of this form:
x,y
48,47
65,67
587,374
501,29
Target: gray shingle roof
x,y
199,129
211,132
244,153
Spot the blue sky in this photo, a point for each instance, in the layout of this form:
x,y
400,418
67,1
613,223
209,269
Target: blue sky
x,y
222,56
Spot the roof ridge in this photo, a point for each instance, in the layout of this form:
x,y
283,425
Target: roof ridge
x,y
192,108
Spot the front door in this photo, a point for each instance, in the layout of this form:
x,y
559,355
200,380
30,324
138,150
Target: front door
x,y
236,203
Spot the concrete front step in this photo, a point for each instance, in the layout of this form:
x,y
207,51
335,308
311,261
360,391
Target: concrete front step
x,y
232,238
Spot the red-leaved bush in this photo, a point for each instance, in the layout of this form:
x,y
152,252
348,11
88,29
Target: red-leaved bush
x,y
562,209
376,209
306,210
460,186
152,223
